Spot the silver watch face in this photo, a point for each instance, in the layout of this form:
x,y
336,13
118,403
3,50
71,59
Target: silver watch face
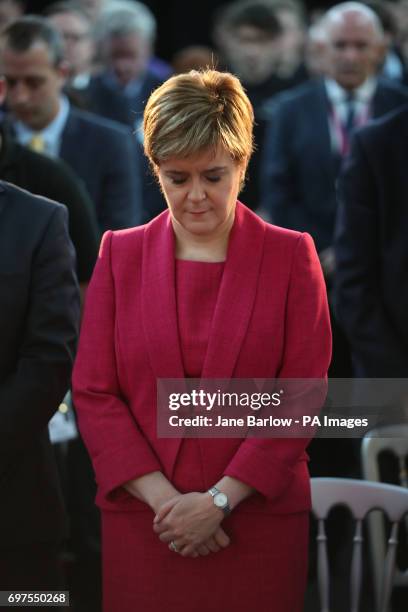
x,y
220,500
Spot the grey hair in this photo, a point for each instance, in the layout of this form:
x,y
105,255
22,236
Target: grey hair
x,y
124,17
317,32
337,12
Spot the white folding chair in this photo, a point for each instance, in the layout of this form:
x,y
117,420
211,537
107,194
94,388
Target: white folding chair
x,y
392,438
360,497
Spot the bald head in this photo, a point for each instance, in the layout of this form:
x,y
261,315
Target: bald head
x,y
355,43
354,12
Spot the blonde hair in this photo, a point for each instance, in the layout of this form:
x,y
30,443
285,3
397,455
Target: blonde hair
x,y
196,111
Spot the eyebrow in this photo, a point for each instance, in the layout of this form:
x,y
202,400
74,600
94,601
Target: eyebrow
x,y
215,169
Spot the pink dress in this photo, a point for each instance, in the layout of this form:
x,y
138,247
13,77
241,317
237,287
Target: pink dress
x,y
266,552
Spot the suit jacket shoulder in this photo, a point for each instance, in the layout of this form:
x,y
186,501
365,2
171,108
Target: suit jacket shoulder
x,y
125,240
98,89
54,179
22,204
398,90
275,232
388,97
104,154
82,118
384,131
296,96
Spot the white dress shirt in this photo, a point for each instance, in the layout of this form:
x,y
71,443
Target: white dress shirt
x,y
339,106
51,134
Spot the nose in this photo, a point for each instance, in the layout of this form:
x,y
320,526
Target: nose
x,y
19,93
351,54
249,50
123,69
197,192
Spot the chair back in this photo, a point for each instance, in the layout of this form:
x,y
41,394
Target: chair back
x,y
360,497
392,438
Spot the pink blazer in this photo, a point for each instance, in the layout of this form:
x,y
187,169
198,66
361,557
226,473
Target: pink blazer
x,y
271,320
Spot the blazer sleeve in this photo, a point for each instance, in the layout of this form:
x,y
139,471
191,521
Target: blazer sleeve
x,y
267,464
31,394
117,447
377,349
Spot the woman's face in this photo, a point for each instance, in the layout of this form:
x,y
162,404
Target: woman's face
x,y
201,191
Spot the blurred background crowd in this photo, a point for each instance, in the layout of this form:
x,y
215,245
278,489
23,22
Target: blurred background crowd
x,y
70,129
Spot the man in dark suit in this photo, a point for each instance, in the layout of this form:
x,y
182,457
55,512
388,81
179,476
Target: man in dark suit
x,y
309,133
125,36
310,126
251,38
126,41
75,27
53,179
101,152
371,252
372,248
39,315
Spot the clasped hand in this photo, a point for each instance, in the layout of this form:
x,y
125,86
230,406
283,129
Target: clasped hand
x,y
192,523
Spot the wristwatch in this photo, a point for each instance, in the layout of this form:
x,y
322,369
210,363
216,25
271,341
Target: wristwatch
x,y
220,500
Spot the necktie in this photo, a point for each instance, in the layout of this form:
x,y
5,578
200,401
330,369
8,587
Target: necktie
x,y
37,143
348,123
350,113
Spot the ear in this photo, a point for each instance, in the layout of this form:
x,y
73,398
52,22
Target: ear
x,y
242,173
383,46
244,167
63,71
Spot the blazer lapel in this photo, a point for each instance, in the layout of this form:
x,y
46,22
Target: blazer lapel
x,y
232,312
159,308
236,295
319,114
70,139
378,103
159,313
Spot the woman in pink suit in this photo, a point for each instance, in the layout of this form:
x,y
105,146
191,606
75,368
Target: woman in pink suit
x,y
207,289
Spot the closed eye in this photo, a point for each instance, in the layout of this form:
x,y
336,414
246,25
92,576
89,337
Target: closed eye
x,y
181,181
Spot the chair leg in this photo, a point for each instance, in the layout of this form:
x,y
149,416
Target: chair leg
x,y
389,568
356,567
323,567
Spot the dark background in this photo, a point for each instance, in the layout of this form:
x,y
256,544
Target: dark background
x,y
180,22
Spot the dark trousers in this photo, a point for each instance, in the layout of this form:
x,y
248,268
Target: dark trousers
x,y
32,568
